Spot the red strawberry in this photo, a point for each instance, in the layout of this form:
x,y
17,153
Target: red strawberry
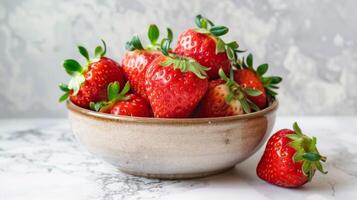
x,y
247,77
135,106
290,159
89,83
121,103
175,85
135,64
137,58
204,45
225,98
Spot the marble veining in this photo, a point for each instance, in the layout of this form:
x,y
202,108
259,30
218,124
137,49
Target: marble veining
x,y
40,159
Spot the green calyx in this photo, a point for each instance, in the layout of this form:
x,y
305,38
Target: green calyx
x,y
306,152
185,64
206,26
238,93
76,70
270,82
114,95
153,35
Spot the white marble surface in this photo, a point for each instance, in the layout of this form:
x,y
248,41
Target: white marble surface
x,y
40,160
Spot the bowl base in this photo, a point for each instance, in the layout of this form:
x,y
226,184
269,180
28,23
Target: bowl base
x,y
176,176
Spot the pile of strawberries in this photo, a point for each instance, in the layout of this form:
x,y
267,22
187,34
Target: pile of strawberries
x,y
202,76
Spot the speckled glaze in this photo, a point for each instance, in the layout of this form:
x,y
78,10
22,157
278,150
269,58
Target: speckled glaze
x,y
171,148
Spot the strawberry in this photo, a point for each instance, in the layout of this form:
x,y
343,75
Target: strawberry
x,y
247,77
290,158
174,84
89,82
137,58
225,98
121,103
205,46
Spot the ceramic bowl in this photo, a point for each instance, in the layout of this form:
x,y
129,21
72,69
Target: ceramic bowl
x,y
171,148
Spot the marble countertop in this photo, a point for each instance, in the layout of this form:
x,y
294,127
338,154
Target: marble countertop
x,y
39,159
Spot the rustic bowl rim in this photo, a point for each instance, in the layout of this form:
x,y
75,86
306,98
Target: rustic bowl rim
x,y
104,116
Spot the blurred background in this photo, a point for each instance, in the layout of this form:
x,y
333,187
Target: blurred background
x,y
311,44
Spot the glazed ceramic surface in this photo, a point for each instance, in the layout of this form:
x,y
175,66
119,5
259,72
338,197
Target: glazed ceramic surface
x,y
171,148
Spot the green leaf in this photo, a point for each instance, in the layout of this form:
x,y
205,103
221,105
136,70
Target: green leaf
x,y
298,156
297,144
240,51
186,64
253,105
129,46
125,89
100,51
97,106
113,90
262,69
218,30
272,87
306,166
222,75
83,51
320,168
135,41
63,97
230,53
229,98
64,87
169,34
266,80
276,79
297,129
252,92
245,105
233,45
209,22
220,46
153,34
311,156
72,67
201,30
270,92
165,46
293,136
198,21
250,60
75,83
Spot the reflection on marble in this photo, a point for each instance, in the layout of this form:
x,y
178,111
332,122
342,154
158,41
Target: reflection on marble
x,y
39,159
312,44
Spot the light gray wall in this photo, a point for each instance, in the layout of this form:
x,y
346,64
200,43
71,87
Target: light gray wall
x,y
311,43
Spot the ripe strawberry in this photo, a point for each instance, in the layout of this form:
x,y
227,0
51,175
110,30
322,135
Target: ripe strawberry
x,y
121,103
135,64
175,85
89,82
225,98
247,77
290,159
204,45
137,58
